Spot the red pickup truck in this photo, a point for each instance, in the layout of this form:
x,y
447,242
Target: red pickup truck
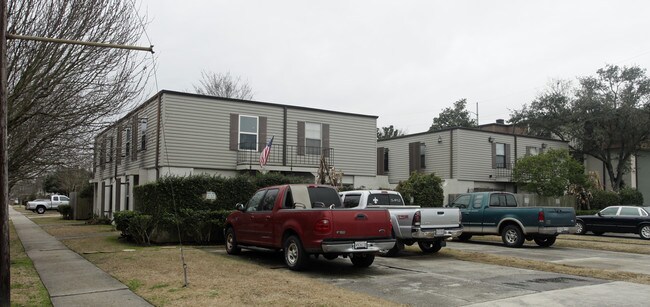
x,y
304,220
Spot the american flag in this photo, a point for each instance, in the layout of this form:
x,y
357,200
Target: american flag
x,y
264,156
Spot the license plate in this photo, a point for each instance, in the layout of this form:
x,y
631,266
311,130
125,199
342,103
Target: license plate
x,y
563,229
360,245
440,232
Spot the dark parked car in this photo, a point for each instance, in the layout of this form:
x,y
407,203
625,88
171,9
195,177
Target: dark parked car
x,y
622,219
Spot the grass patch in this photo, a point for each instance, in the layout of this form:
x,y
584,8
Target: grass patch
x,y
156,274
134,284
26,286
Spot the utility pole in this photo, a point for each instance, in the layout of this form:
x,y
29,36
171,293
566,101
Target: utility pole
x,y
5,277
5,264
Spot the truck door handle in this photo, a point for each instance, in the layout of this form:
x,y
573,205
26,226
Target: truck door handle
x,y
441,212
268,218
361,216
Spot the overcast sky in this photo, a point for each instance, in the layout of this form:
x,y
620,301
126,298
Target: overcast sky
x,y
403,61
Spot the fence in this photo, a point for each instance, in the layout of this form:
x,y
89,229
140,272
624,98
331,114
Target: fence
x,y
82,208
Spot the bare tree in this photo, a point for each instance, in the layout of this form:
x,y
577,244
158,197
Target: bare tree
x,y
60,95
223,85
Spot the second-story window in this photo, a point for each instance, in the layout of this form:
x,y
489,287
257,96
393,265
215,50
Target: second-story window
x,y
143,134
248,132
385,159
127,142
531,151
109,153
313,138
500,155
423,150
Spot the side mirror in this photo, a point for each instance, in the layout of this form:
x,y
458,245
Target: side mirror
x,y
599,214
239,207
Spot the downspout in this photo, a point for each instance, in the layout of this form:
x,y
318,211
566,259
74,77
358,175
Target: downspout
x,y
514,163
284,138
158,127
451,154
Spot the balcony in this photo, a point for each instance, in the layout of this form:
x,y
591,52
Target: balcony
x,y
503,171
286,157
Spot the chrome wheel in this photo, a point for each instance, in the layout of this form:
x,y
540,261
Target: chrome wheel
x,y
292,254
580,228
512,236
645,232
231,242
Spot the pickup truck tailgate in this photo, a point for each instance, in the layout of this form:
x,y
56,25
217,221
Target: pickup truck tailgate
x,y
559,217
361,224
440,218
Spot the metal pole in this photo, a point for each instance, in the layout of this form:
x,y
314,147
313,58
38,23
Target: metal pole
x,y
5,277
73,42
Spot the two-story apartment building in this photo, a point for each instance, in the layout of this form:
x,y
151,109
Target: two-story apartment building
x,y
176,133
467,159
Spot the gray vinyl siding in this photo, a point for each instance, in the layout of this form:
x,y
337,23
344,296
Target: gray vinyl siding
x,y
353,138
436,156
197,129
473,156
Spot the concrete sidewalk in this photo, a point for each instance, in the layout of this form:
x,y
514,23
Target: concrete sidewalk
x,y
70,279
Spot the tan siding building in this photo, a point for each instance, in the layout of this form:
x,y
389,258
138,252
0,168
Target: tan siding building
x,y
176,133
466,159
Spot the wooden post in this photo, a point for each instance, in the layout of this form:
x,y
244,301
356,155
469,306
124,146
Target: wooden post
x,y
5,281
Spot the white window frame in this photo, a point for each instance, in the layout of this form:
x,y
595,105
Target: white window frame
x,y
257,132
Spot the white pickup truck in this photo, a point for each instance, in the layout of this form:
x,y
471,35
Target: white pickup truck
x,y
429,227
40,205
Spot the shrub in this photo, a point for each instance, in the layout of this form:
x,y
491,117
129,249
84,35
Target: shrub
x,y
99,220
66,211
426,189
602,199
140,227
134,226
122,220
631,196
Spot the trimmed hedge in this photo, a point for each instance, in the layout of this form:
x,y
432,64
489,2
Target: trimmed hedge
x,y
631,196
602,199
66,211
177,203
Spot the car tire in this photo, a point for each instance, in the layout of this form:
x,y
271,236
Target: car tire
x,y
430,247
40,210
545,241
294,254
644,232
512,236
580,228
464,237
231,242
362,260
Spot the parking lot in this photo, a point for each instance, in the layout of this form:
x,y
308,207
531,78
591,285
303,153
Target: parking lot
x,y
426,280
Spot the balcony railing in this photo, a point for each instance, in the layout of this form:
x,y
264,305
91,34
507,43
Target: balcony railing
x,y
503,170
285,155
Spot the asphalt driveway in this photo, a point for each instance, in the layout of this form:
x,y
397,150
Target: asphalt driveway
x,y
434,280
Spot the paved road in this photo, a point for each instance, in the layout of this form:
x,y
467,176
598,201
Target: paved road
x,y
434,280
589,258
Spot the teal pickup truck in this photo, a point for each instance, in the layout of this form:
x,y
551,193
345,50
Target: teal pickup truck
x,y
496,213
